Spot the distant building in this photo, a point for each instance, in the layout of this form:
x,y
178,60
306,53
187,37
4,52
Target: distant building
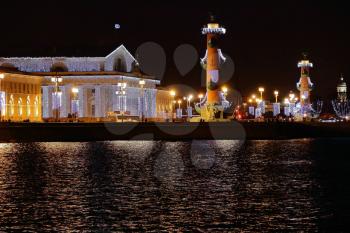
x,y
89,88
342,90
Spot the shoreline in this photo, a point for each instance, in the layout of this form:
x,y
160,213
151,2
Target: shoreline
x,y
84,132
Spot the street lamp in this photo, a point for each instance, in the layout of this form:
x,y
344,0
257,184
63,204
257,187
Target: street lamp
x,y
2,76
189,98
261,90
172,93
200,97
276,95
121,93
179,103
286,101
57,80
75,92
142,84
224,90
291,97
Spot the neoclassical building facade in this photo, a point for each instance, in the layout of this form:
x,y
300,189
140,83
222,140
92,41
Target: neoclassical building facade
x,y
87,88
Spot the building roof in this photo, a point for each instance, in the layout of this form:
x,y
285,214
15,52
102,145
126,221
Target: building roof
x,y
342,83
119,62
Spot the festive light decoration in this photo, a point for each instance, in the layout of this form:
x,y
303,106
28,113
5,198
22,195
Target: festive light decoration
x,y
341,108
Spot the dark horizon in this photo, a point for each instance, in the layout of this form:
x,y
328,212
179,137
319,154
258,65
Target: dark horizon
x,y
265,40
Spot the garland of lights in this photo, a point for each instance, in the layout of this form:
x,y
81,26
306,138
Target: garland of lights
x,y
45,64
341,108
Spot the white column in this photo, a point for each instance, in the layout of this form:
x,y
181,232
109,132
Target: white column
x,y
115,99
99,102
66,101
82,96
153,103
47,101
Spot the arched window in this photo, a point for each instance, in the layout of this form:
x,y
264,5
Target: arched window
x,y
119,64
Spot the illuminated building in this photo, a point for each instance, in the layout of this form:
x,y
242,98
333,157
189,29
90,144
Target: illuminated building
x,y
214,103
92,88
342,90
20,96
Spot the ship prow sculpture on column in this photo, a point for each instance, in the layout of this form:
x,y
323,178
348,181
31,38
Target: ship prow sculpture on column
x,y
213,105
305,108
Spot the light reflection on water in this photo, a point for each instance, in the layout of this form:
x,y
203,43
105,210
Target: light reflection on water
x,y
167,186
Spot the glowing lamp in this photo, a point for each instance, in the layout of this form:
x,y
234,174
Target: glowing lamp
x,y
75,90
142,82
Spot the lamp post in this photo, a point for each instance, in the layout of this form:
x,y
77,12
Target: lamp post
x,y
276,96
189,98
173,94
75,92
225,91
261,90
142,84
291,97
179,110
179,102
57,80
2,76
121,93
200,97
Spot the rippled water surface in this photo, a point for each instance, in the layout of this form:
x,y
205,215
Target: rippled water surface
x,y
230,186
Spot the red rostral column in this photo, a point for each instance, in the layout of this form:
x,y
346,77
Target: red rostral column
x,y
213,31
305,85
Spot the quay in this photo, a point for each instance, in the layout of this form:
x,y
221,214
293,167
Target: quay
x,y
82,132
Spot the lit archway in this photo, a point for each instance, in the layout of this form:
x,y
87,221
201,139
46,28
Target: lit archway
x,y
28,107
12,106
36,106
20,109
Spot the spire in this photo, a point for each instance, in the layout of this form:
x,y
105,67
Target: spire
x,y
305,55
212,18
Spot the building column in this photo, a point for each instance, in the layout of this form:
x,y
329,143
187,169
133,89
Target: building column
x,y
150,106
115,99
66,101
82,96
100,108
47,101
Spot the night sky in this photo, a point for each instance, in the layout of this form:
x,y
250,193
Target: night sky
x,y
265,40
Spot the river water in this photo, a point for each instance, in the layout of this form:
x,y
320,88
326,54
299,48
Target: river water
x,y
198,186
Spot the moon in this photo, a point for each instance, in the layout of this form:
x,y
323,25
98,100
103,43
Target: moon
x,y
117,26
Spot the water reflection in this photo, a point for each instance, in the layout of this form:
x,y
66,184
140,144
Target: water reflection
x,y
248,186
